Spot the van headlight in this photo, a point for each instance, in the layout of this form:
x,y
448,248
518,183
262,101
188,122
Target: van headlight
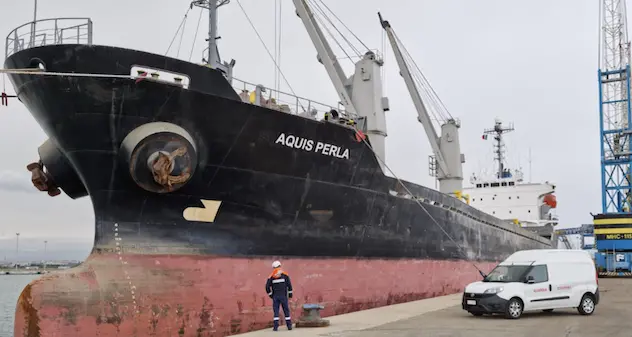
x,y
495,290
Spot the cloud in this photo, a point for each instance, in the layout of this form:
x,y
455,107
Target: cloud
x,y
16,182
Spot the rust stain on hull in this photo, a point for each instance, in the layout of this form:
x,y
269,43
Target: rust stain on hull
x,y
30,314
178,295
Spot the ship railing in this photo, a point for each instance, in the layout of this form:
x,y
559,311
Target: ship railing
x,y
283,101
48,32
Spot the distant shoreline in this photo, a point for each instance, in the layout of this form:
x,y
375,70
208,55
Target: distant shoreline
x,y
8,272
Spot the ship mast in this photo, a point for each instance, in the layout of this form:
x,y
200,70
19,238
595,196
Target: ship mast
x,y
213,50
33,30
213,59
498,131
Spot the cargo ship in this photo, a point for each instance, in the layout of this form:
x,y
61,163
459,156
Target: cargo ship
x,y
197,187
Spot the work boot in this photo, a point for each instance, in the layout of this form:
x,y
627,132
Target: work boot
x,y
288,322
276,325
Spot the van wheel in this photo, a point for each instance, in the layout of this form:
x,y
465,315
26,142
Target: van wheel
x,y
514,308
587,305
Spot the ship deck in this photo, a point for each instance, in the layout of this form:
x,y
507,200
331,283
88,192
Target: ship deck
x,y
443,316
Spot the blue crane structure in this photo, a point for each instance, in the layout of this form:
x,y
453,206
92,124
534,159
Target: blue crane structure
x,y
613,227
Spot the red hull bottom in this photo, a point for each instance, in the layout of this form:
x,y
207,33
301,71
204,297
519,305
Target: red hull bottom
x,y
186,295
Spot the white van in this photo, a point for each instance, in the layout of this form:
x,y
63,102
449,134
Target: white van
x,y
533,280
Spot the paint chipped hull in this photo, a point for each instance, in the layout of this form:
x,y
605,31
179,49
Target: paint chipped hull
x,y
162,295
329,215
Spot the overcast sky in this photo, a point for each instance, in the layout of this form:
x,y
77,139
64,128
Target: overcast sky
x,y
532,63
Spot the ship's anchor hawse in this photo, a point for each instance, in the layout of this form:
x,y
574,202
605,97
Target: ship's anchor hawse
x,y
160,157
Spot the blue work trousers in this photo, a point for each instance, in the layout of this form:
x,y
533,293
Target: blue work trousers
x,y
281,301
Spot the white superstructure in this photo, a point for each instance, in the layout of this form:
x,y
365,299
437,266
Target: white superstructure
x,y
505,195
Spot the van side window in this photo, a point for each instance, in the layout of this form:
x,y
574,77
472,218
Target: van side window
x,y
539,273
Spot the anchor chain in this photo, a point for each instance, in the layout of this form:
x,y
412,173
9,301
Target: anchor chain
x,y
162,167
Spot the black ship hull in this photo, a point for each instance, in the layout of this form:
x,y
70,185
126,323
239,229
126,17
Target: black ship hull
x,y
260,183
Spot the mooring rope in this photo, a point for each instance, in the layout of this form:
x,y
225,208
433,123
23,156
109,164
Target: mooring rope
x,y
417,201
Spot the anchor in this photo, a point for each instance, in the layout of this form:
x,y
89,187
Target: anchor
x,y
42,180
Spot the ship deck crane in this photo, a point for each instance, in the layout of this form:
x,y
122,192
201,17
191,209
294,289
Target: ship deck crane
x,y
448,159
360,94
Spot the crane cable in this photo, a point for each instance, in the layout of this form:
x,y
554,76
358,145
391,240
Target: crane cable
x,y
333,37
177,31
344,25
269,53
196,34
425,84
326,17
463,251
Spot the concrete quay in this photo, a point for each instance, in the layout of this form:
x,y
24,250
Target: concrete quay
x,y
443,317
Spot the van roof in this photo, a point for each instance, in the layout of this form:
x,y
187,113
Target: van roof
x,y
548,255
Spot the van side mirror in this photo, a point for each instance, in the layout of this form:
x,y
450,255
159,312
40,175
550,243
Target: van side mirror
x,y
530,279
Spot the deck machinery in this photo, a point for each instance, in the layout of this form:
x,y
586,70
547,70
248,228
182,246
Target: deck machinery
x,y
613,227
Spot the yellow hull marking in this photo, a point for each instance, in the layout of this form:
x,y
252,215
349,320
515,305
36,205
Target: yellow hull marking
x,y
203,214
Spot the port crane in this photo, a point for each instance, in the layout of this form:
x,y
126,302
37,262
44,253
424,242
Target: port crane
x,y
446,163
613,227
583,231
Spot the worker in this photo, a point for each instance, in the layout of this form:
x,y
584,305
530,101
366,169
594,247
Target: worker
x,y
279,288
331,115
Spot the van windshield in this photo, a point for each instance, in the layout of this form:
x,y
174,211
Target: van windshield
x,y
505,274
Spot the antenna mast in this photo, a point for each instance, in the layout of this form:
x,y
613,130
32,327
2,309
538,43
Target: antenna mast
x,y
498,131
530,164
213,59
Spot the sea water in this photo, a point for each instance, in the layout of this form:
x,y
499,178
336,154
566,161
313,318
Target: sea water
x,y
10,288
